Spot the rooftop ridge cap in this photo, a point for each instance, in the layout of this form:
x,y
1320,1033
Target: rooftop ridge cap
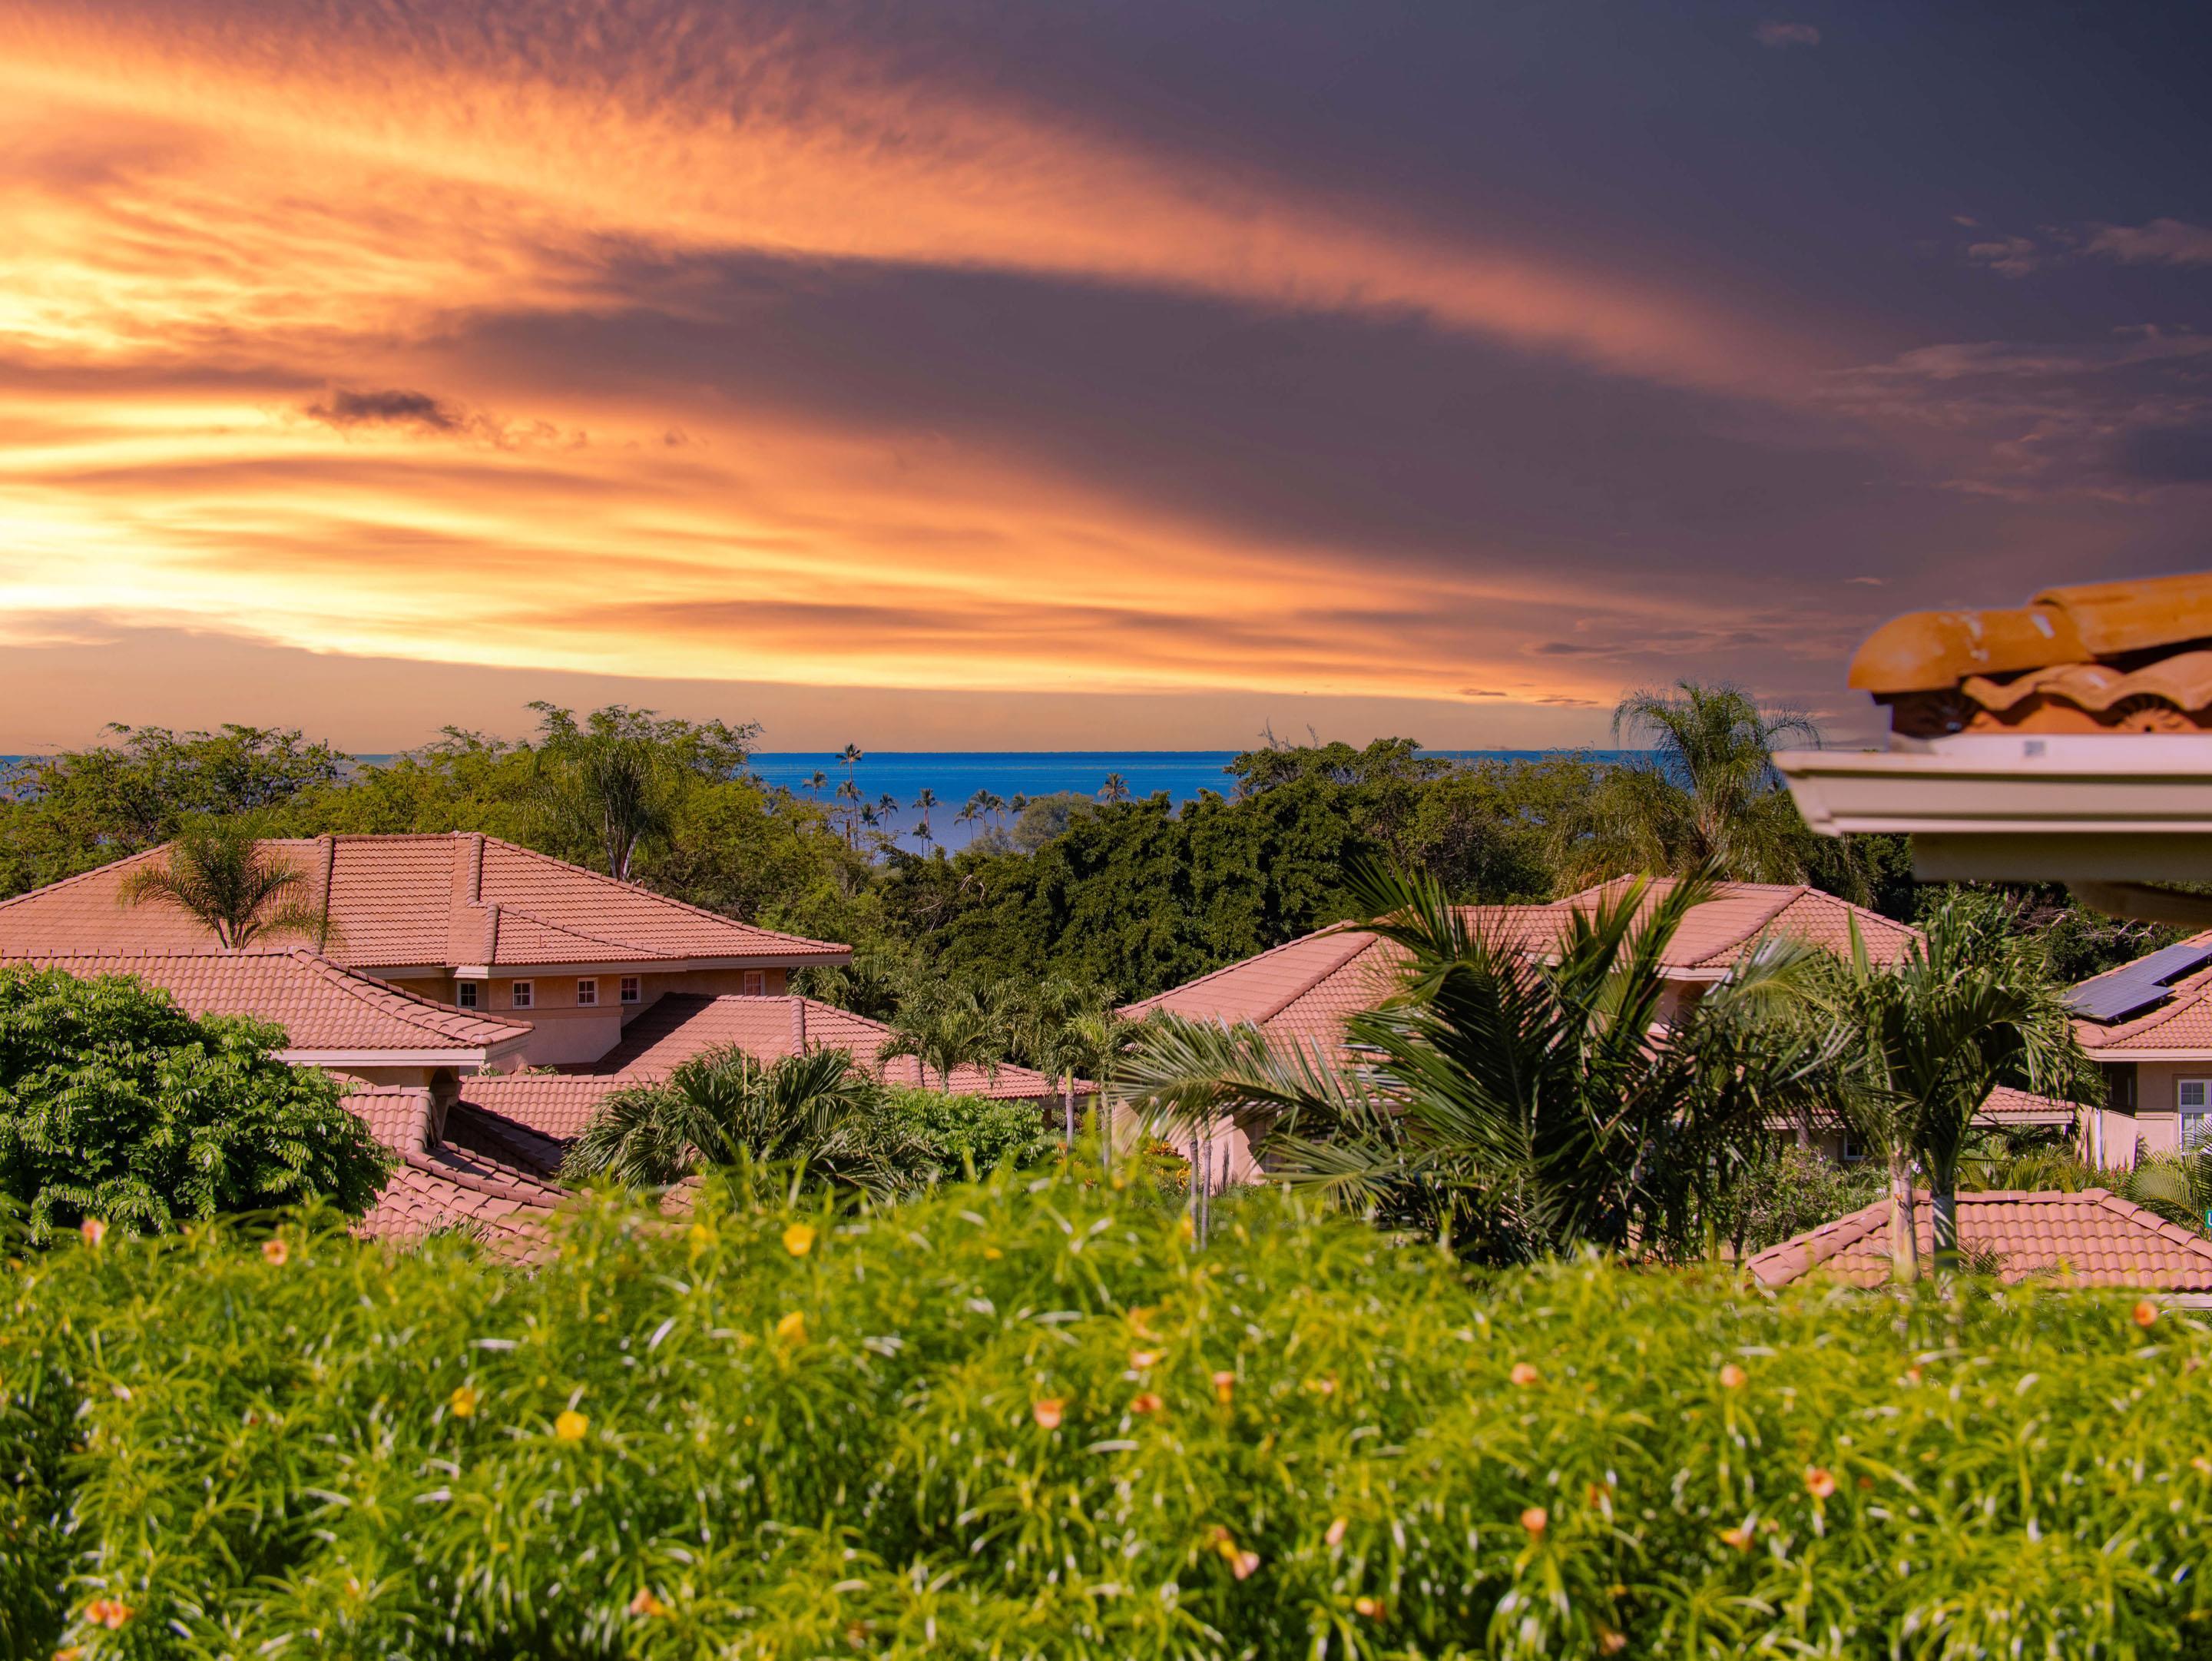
x,y
1246,962
1363,945
81,876
427,1162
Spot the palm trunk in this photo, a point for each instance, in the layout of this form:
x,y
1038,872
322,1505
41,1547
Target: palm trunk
x,y
1067,1105
1943,1230
1904,1247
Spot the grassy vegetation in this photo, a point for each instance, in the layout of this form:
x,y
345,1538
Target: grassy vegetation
x,y
1026,1417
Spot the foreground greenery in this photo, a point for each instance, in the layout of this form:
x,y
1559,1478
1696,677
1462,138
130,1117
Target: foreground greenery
x,y
1028,1418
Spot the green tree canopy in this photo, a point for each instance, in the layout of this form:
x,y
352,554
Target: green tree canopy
x,y
116,1105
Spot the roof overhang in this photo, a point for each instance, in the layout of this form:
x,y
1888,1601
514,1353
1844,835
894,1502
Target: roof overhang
x,y
2202,1054
344,1059
483,972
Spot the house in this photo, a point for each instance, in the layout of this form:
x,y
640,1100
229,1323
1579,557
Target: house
x,y
547,1108
2092,1239
464,920
2149,1025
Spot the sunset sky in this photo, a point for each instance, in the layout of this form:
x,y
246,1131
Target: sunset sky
x,y
963,376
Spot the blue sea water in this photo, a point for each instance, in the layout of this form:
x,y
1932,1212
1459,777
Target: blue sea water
x,y
953,775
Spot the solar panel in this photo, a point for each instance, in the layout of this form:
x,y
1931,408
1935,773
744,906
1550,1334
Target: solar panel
x,y
2142,985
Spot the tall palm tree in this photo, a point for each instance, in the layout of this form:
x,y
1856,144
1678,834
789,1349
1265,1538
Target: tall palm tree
x,y
1116,789
1926,1039
850,758
1512,1105
925,803
946,1026
724,1107
615,790
977,806
1065,1028
849,793
815,782
1712,800
233,884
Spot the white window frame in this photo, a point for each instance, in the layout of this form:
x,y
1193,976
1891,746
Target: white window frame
x,y
632,990
2193,1114
467,996
755,983
587,992
522,995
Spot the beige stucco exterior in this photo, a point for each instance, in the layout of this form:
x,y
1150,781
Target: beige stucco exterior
x,y
565,1032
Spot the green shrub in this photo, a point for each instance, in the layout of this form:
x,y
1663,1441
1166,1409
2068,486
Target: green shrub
x,y
115,1104
1026,1418
967,1133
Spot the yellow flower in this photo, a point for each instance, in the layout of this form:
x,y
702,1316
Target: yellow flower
x,y
647,1605
95,1231
791,1329
1535,1519
1820,1483
571,1426
276,1253
1610,1642
1224,1386
702,1235
462,1403
1047,1413
991,1254
1740,1537
1734,1377
1524,1375
2145,1312
1141,1359
1369,1607
798,1239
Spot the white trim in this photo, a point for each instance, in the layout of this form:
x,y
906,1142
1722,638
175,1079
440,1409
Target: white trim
x,y
483,972
2201,1054
457,1057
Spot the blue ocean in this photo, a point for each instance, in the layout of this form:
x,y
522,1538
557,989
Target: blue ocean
x,y
953,775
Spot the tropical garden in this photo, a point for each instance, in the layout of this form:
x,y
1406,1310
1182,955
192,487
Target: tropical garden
x,y
911,1372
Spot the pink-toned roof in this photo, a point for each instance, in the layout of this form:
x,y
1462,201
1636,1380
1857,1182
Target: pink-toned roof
x,y
2183,1022
446,1189
2092,1239
323,1008
409,901
1305,991
399,1116
680,1026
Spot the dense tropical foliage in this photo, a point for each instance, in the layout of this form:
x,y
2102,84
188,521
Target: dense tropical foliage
x,y
117,1106
1018,1419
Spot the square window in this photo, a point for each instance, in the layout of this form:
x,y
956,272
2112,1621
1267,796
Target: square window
x,y
465,994
2189,1093
523,991
756,983
588,994
630,988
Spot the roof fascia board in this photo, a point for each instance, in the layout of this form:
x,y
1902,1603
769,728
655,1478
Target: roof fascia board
x,y
479,971
2122,1053
454,1057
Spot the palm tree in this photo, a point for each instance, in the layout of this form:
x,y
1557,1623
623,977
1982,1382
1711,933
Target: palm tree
x,y
977,805
234,883
1928,1038
850,758
946,1026
849,793
815,782
1065,1028
1509,1105
724,1107
611,788
1710,801
1116,789
924,803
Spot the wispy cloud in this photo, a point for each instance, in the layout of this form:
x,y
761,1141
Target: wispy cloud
x,y
2161,242
1781,36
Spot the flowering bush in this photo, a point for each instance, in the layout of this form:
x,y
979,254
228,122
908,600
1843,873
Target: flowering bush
x,y
1029,1417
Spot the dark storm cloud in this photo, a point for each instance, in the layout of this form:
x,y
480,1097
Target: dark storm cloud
x,y
392,407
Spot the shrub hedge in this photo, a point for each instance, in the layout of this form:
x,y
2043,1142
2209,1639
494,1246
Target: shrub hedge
x,y
1027,1418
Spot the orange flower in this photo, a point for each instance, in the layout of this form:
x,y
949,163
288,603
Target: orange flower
x,y
1141,1359
1524,1375
95,1231
1335,1535
2145,1312
2200,1465
462,1403
798,1239
1739,1537
1912,1375
1224,1386
1867,1483
108,1612
1734,1377
647,1605
1146,1402
1610,1642
1599,1494
791,1329
276,1253
1820,1483
1535,1519
1322,1386
1047,1413
571,1426
1369,1607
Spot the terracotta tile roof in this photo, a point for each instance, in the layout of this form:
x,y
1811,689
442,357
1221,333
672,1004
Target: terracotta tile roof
x,y
683,1025
2005,1105
423,902
445,1189
2183,1022
1304,991
324,1008
2087,1240
399,1116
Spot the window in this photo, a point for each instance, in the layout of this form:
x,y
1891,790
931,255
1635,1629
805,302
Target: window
x,y
756,983
1854,1150
588,994
522,995
465,994
630,988
2188,1095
